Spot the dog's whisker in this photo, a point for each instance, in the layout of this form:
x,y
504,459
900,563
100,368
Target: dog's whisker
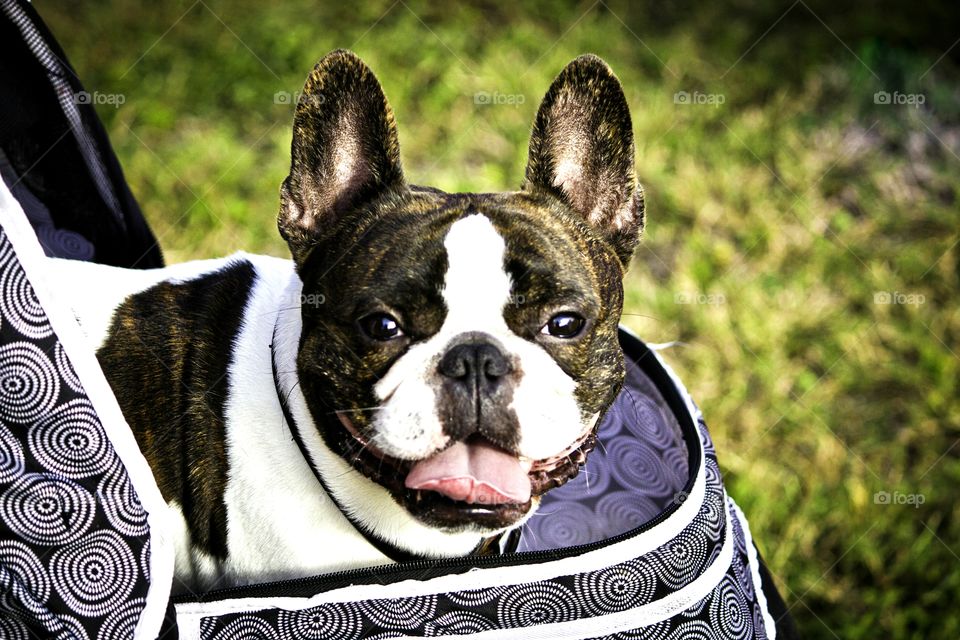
x,y
279,309
290,392
602,446
359,410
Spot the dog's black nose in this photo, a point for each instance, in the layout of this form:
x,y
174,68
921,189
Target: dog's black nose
x,y
476,392
475,363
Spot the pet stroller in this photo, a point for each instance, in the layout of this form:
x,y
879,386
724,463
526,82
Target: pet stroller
x,y
644,543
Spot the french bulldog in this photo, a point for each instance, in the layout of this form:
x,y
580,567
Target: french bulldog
x,y
426,366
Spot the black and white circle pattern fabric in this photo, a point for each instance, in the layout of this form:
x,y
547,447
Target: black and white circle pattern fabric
x,y
29,384
322,623
120,502
14,629
11,456
725,613
20,307
145,560
458,623
122,622
74,548
476,597
66,369
47,510
68,441
741,570
537,603
400,613
616,588
25,571
248,627
729,610
682,559
94,574
70,628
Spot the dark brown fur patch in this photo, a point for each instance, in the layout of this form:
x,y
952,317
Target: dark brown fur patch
x,y
166,359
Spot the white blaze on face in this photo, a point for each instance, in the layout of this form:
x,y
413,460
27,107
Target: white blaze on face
x,y
476,289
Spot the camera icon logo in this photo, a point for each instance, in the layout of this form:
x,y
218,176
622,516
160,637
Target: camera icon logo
x,y
881,97
82,97
681,97
881,497
282,97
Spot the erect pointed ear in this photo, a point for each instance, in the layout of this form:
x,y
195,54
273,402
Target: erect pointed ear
x,y
581,151
344,153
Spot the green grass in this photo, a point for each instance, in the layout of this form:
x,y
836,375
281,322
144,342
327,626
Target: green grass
x,y
784,210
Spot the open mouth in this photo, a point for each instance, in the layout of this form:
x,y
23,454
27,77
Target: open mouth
x,y
471,482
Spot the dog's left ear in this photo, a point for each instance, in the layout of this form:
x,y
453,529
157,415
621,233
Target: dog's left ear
x,y
581,151
344,154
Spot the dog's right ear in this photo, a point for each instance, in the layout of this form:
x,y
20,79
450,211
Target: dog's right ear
x,y
344,153
581,151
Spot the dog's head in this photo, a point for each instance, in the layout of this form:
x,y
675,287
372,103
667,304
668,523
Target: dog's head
x,y
466,344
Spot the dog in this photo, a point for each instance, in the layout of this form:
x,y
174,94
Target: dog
x,y
426,366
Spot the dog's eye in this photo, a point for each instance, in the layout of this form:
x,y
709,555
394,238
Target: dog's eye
x,y
381,326
564,325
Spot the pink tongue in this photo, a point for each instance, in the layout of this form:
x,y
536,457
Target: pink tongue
x,y
478,472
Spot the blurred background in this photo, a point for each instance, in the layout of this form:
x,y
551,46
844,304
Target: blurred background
x,y
801,163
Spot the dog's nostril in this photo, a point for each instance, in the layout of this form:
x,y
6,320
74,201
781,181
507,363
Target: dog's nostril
x,y
454,364
467,361
492,362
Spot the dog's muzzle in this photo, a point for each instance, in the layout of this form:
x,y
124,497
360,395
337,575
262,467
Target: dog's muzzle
x,y
480,475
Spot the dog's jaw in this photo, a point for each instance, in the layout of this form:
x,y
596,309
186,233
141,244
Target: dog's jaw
x,y
364,501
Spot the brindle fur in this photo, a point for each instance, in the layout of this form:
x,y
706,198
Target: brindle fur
x,y
166,359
